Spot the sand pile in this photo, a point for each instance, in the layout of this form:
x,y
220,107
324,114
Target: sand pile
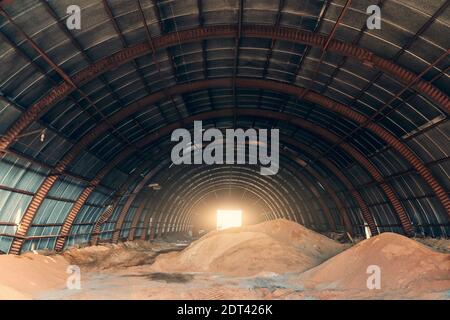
x,y
274,246
107,256
21,277
405,265
177,238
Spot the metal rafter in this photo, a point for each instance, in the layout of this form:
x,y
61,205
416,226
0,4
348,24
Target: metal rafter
x,y
344,59
197,194
122,215
378,116
374,118
46,126
125,45
237,44
67,79
311,171
281,87
398,209
201,23
137,217
288,34
192,183
121,192
222,113
77,45
403,49
222,182
45,187
325,47
152,45
270,51
309,47
295,91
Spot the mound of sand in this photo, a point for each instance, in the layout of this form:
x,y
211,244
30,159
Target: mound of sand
x,y
109,256
273,246
405,264
21,277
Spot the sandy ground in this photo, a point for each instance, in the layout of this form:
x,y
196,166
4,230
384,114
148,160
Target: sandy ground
x,y
236,265
25,276
408,269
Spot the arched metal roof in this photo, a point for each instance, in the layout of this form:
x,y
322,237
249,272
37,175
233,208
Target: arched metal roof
x,y
86,115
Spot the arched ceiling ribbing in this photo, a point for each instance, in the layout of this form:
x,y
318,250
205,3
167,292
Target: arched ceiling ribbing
x,y
85,115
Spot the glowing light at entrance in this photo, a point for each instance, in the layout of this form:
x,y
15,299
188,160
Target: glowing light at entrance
x,y
228,219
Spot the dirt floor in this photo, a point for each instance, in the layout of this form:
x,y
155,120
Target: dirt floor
x,y
25,276
273,260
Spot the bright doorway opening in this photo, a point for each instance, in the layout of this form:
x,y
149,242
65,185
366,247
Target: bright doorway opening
x,y
228,219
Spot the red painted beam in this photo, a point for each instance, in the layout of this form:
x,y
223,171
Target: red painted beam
x,y
328,187
398,209
35,111
243,82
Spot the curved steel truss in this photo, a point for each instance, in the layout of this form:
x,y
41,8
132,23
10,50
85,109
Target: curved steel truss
x,y
342,104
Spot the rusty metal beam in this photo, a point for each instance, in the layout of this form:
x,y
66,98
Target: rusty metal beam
x,y
51,180
129,202
325,47
339,175
136,191
327,103
151,42
201,178
379,115
104,216
287,34
219,180
375,117
115,201
195,196
343,60
343,212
